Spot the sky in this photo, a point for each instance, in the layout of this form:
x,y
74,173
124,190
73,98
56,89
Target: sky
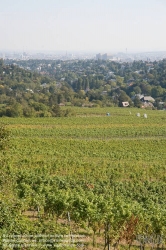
x,y
83,25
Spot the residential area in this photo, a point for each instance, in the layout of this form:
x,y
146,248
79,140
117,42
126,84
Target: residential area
x,y
40,84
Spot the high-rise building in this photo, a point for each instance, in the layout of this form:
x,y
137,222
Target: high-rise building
x,y
98,56
104,56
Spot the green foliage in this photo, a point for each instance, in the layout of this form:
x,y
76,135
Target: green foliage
x,y
82,83
4,137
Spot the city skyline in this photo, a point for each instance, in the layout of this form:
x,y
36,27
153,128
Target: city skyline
x,y
96,26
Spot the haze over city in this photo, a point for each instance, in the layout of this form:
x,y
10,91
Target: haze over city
x,y
72,25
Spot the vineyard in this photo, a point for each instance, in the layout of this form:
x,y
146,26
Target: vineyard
x,y
96,176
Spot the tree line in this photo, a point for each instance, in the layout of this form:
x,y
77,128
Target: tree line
x,y
37,87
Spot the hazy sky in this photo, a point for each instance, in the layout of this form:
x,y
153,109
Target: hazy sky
x,y
91,25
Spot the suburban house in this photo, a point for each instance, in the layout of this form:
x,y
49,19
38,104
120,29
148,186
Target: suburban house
x,y
139,96
147,99
104,92
61,104
125,104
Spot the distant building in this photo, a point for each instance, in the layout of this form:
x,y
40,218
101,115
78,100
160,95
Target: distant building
x,y
104,57
144,98
147,99
44,85
130,81
29,90
61,104
98,56
139,96
87,89
104,92
147,105
161,103
125,104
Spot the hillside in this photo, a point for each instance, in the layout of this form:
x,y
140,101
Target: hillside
x,y
36,87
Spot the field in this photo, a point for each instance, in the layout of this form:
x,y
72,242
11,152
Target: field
x,y
100,176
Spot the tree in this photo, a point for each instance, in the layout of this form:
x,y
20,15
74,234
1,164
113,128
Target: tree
x,y
146,88
14,110
123,97
86,84
79,84
137,102
157,91
56,110
137,90
119,81
28,111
